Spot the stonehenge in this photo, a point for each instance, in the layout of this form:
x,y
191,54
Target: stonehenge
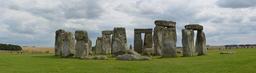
x,y
103,44
64,43
160,41
188,40
146,46
165,38
188,43
106,41
119,41
58,41
98,46
82,44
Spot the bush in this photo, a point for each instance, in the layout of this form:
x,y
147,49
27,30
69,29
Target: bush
x,y
10,47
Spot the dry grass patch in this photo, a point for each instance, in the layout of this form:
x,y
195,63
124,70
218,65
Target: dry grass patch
x,y
37,50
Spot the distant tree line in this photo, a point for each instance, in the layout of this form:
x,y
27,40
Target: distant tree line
x,y
10,47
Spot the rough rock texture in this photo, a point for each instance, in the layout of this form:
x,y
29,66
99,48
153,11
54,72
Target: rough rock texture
x,y
119,41
139,46
131,57
98,47
90,48
132,52
148,44
82,44
106,42
194,27
188,43
59,41
168,44
201,43
68,44
157,38
165,38
97,57
138,42
148,51
169,24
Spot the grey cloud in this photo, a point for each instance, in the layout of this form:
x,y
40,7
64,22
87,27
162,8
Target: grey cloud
x,y
76,9
253,19
236,3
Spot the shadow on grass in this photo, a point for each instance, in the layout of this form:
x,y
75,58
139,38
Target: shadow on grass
x,y
46,56
53,57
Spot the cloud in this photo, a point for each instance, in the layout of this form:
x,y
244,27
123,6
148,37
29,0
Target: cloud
x,y
236,3
33,22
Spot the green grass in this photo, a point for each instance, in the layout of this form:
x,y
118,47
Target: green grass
x,y
243,61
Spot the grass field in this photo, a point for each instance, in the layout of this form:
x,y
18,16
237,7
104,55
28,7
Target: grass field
x,y
243,61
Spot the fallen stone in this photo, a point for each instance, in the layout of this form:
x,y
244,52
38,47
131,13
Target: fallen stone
x,y
97,57
131,57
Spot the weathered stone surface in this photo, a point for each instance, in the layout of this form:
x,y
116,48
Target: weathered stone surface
x,y
97,57
201,43
148,41
82,44
119,41
106,42
194,27
68,44
132,52
90,48
148,44
164,23
131,57
59,41
168,44
157,38
138,42
147,30
165,38
148,51
188,43
139,46
98,47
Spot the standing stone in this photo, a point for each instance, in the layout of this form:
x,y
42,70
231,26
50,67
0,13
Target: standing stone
x,y
106,42
59,41
138,42
201,43
68,44
119,41
98,47
148,43
82,44
165,38
90,48
188,43
169,43
157,38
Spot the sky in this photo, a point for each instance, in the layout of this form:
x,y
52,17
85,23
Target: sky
x,y
34,22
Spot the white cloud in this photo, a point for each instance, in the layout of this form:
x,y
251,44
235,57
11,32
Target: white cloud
x,y
33,22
